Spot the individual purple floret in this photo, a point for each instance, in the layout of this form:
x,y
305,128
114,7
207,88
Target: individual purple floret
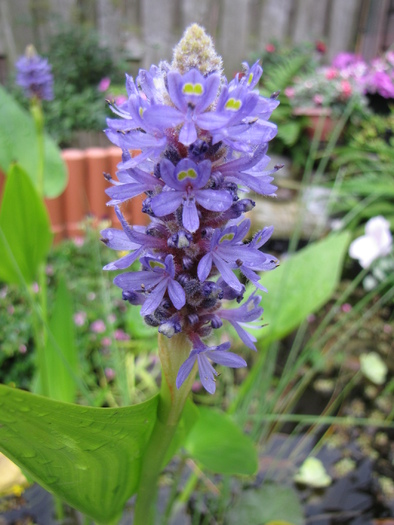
x,y
34,75
156,279
203,142
185,184
201,353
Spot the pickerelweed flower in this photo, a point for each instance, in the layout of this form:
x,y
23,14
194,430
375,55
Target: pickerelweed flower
x,y
203,142
34,75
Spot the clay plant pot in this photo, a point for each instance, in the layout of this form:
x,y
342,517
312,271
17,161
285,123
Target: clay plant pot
x,y
320,122
75,195
85,193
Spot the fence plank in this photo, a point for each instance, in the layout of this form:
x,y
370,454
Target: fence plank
x,y
309,20
195,12
233,39
157,30
343,18
275,17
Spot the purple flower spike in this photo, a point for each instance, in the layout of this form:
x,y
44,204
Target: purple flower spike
x,y
185,183
203,141
201,353
34,75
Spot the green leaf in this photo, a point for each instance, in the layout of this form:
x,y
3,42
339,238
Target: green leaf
x,y
301,285
220,445
270,503
18,143
289,132
25,235
61,359
90,457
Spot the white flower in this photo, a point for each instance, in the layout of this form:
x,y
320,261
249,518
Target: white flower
x,y
377,242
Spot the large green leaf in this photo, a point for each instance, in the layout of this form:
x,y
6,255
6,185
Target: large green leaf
x,y
61,360
220,445
90,457
18,143
301,285
268,504
25,234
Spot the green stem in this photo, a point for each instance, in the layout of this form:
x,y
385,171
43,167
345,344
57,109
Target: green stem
x,y
41,297
38,117
173,352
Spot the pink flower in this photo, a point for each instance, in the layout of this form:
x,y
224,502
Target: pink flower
x,y
104,84
78,241
79,318
318,100
331,73
98,326
346,88
290,92
22,349
270,48
106,341
120,335
121,99
109,373
346,307
344,60
383,84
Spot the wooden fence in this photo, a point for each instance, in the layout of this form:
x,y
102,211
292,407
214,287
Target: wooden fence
x,y
148,29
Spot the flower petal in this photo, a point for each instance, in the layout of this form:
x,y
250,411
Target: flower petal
x,y
214,200
185,369
204,266
190,218
207,373
166,202
177,294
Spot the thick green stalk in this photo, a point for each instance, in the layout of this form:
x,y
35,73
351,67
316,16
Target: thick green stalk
x,y
41,297
38,117
173,352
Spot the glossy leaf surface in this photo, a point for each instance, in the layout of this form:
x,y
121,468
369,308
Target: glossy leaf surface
x,y
301,285
90,457
25,235
18,143
61,359
220,445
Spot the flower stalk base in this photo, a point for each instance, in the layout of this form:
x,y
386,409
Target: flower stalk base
x,y
172,400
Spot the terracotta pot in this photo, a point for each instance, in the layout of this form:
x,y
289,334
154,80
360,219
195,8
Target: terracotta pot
x,y
85,192
75,195
320,122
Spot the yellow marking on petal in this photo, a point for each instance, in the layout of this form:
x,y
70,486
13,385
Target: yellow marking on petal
x,y
226,237
233,104
192,89
189,174
250,79
141,111
156,264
